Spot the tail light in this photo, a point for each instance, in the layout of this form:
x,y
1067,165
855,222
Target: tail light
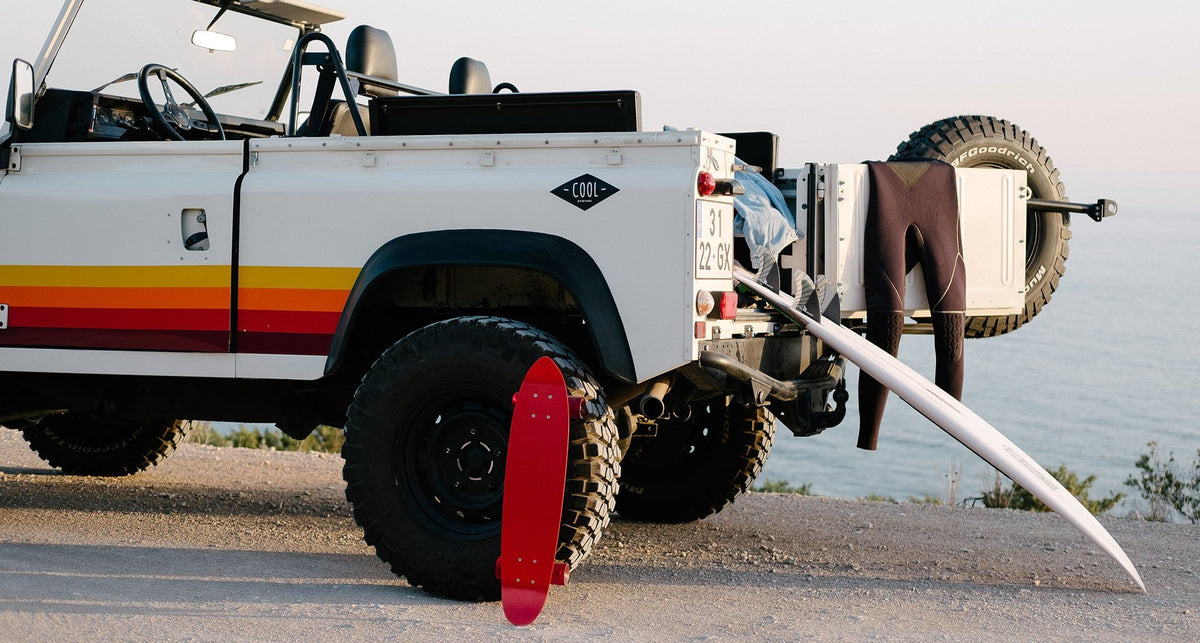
x,y
706,184
729,301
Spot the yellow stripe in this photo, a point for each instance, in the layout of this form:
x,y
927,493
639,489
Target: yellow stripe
x,y
178,276
116,276
297,277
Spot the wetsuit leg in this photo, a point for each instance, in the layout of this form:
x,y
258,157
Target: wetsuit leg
x,y
948,347
945,278
883,330
885,263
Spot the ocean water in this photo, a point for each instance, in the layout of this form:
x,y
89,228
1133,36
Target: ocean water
x,y
1110,364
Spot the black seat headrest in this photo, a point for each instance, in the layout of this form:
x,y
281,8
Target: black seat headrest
x,y
470,76
370,51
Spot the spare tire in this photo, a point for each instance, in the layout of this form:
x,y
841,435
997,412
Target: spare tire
x,y
984,141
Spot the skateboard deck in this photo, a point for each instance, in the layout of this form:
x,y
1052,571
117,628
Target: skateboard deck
x,y
534,478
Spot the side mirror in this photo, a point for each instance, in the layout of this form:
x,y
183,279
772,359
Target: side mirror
x,y
214,41
20,95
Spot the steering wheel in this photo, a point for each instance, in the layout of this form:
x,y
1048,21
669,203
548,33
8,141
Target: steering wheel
x,y
171,120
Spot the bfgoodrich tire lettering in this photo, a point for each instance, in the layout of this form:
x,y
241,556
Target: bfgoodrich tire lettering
x,y
425,447
984,141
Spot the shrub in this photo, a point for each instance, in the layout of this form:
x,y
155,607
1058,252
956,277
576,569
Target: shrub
x,y
327,439
1017,497
783,486
324,438
1165,487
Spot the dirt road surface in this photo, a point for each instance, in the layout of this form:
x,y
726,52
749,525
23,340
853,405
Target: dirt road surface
x,y
236,544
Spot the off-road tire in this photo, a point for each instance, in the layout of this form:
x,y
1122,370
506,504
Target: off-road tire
x,y
984,141
80,445
689,470
424,451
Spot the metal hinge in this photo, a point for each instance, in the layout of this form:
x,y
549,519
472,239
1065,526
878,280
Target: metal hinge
x,y
3,316
14,159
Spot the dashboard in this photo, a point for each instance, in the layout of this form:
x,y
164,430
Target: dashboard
x,y
68,116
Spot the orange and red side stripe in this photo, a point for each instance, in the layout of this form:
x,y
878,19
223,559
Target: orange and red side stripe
x,y
286,310
181,308
290,310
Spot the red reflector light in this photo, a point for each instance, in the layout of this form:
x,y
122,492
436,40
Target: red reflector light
x,y
701,330
706,184
728,305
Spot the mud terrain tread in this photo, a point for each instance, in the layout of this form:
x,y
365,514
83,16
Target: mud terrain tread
x,y
81,446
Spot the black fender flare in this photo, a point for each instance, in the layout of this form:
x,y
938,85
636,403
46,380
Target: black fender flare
x,y
553,256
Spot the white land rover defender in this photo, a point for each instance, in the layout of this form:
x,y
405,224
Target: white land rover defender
x,y
240,219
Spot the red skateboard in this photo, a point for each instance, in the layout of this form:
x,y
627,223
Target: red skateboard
x,y
534,479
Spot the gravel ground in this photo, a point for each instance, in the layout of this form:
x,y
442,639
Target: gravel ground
x,y
236,544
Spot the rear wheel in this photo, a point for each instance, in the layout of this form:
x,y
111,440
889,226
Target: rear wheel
x,y
425,447
693,469
984,141
81,445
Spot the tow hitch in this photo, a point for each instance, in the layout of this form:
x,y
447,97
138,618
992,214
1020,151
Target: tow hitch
x,y
801,403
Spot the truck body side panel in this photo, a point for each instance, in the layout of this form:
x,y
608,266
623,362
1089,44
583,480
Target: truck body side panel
x,y
95,258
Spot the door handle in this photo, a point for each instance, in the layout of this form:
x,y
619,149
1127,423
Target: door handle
x,y
194,228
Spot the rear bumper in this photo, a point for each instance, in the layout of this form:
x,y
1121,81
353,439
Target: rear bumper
x,y
789,374
780,357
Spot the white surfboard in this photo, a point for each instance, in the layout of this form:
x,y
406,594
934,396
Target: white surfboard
x,y
951,415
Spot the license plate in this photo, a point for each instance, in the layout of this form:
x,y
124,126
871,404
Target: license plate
x,y
714,240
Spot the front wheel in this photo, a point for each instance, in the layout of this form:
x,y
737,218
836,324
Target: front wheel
x,y
984,141
81,445
695,468
426,439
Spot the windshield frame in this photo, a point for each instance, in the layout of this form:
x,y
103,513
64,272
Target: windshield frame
x,y
63,25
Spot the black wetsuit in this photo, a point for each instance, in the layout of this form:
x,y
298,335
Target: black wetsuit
x,y
912,218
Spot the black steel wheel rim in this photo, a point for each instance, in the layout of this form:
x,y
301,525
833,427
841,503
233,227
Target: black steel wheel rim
x,y
451,467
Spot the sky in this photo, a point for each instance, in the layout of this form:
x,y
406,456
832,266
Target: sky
x,y
1110,89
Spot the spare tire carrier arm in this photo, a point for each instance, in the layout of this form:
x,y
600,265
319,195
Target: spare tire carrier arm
x,y
1097,211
